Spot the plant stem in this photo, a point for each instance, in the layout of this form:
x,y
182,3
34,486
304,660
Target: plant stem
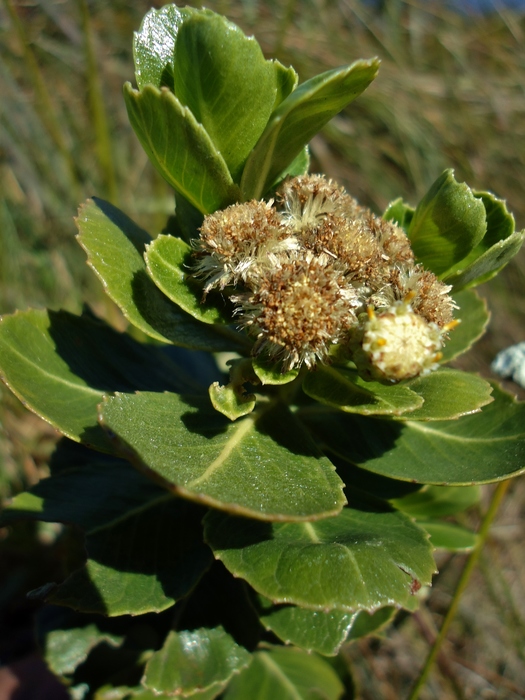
x,y
495,503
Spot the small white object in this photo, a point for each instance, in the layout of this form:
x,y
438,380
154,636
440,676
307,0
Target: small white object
x,y
511,363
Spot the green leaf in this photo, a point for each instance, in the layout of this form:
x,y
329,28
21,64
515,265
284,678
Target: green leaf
x,y
231,401
438,501
311,630
115,248
449,394
480,448
222,77
298,118
191,663
366,623
449,536
179,148
299,166
60,365
474,317
272,373
344,389
264,465
65,650
285,674
364,558
141,563
499,245
400,213
169,260
447,224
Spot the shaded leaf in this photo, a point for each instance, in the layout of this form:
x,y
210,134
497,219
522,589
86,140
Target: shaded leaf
x,y
346,390
361,559
286,674
179,148
474,317
298,118
115,247
141,563
400,213
168,260
438,501
449,536
448,394
480,448
191,663
264,465
448,223
366,623
272,373
66,649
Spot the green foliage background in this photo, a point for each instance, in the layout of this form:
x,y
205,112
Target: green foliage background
x,y
449,94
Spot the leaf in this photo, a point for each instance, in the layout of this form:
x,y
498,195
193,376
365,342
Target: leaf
x,y
179,148
476,449
448,223
449,536
449,394
286,674
366,623
65,650
231,401
141,563
344,389
311,630
115,247
60,365
168,260
264,465
222,77
400,213
438,501
474,317
364,558
272,373
191,663
298,118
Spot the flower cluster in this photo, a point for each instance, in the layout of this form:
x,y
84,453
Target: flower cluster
x,y
314,270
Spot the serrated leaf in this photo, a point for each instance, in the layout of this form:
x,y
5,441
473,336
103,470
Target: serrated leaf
x,y
474,317
286,674
448,223
168,260
223,78
264,465
361,559
115,247
191,663
344,389
449,536
298,118
65,650
400,213
438,501
179,148
142,563
479,448
60,365
448,394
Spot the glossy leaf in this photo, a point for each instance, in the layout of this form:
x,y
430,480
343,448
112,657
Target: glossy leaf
x,y
474,317
448,223
223,78
141,563
400,213
179,148
344,389
361,559
366,623
438,501
286,674
449,394
298,118
66,649
264,465
115,248
193,662
311,630
480,448
449,536
168,260
60,365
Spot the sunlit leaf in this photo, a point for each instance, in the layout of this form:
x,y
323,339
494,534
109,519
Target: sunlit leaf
x,y
400,213
66,649
474,317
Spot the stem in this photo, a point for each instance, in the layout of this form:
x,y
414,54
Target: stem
x,y
483,533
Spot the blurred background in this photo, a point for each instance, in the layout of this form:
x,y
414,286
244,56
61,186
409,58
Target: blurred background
x,y
450,93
